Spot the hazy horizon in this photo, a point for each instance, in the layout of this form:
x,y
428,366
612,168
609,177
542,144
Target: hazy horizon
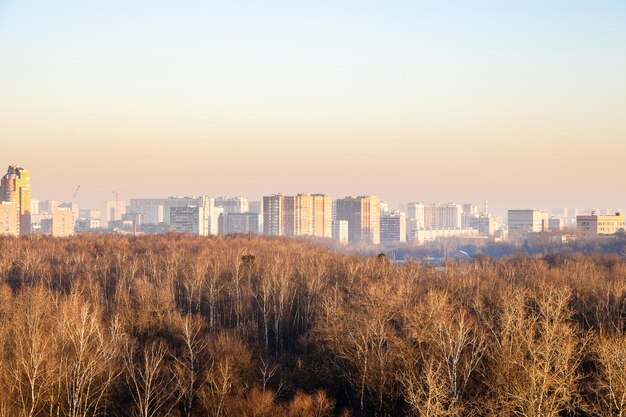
x,y
523,104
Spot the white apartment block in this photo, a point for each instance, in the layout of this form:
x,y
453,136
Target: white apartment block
x,y
232,204
423,236
150,210
110,211
240,223
340,231
443,216
523,222
190,219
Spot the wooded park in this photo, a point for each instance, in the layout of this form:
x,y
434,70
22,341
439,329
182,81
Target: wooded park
x,y
175,325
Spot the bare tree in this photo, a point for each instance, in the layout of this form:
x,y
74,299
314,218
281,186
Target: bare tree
x,y
150,380
230,367
609,382
31,366
189,362
88,357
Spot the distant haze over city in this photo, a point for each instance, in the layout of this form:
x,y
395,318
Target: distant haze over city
x,y
520,103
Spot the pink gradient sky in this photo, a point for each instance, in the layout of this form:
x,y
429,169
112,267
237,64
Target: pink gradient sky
x,y
524,105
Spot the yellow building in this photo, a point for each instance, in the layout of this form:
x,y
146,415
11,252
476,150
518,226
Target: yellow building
x,y
322,215
8,219
62,222
299,215
15,188
592,226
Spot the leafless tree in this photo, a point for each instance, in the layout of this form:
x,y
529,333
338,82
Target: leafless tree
x,y
151,382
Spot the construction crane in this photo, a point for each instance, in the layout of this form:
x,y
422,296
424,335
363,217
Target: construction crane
x,y
75,194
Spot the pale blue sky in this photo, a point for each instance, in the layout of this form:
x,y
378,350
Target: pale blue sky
x,y
410,100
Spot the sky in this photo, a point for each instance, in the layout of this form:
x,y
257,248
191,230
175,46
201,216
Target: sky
x,y
519,102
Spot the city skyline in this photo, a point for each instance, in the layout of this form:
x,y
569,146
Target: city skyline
x,y
350,220
523,103
500,207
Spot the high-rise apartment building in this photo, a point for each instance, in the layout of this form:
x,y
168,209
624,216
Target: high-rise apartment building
x,y
48,206
416,211
190,219
15,188
62,222
363,216
232,204
593,226
299,215
340,231
443,216
484,224
111,211
322,215
34,206
392,227
240,223
257,207
206,202
9,216
273,215
436,216
150,210
469,215
415,219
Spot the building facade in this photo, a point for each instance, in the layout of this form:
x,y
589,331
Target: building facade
x,y
111,211
240,223
150,210
9,216
524,222
363,216
273,215
190,219
232,204
299,215
593,226
443,216
423,236
392,227
62,222
340,231
15,188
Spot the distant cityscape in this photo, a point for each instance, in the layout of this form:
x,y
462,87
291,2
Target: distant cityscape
x,y
352,219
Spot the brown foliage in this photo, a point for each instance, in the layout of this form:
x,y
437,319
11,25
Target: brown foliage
x,y
251,326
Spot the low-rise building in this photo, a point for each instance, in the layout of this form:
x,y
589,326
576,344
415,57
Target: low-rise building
x,y
524,222
593,226
423,236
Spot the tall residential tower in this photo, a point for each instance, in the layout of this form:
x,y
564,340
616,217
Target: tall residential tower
x,y
15,188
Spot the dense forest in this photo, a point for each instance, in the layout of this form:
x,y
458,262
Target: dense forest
x,y
175,325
